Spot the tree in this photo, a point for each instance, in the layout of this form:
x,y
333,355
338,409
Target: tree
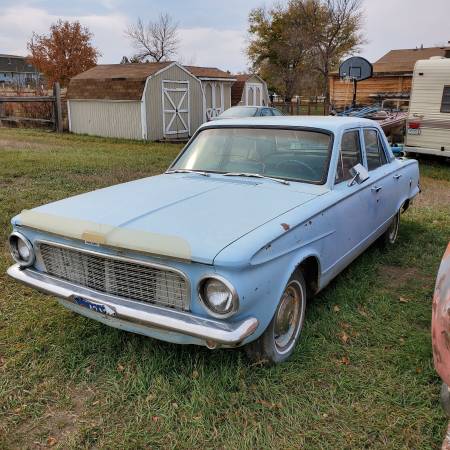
x,y
157,41
278,49
132,60
335,25
65,52
296,46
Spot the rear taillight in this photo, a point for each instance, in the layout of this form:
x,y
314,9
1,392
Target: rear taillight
x,y
414,125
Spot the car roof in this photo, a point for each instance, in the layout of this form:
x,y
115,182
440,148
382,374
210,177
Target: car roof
x,y
330,123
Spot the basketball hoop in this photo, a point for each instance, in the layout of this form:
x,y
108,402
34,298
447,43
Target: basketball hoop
x,y
353,70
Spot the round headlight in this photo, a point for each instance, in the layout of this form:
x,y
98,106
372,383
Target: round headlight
x,y
219,297
21,249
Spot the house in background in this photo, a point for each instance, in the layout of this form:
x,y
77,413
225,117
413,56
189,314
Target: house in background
x,y
249,90
151,101
392,77
16,71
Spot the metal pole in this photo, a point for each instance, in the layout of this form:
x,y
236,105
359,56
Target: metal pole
x,y
355,87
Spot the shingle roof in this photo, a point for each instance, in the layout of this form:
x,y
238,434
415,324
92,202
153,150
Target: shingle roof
x,y
126,81
209,72
403,61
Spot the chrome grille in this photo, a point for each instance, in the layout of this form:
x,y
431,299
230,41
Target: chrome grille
x,y
117,276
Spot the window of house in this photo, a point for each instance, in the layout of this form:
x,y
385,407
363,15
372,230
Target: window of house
x,y
349,156
374,150
445,105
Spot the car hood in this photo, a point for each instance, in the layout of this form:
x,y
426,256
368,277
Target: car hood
x,y
186,216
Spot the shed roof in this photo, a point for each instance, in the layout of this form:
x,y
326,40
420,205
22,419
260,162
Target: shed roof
x,y
126,81
209,72
403,60
113,81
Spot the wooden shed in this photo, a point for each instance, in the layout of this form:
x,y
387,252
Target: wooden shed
x,y
151,101
249,90
217,86
392,77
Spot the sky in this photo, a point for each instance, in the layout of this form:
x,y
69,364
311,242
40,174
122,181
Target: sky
x,y
213,33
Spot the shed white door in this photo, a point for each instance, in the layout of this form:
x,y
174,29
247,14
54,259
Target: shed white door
x,y
176,108
253,94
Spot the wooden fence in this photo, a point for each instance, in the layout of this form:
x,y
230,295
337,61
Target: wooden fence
x,y
56,120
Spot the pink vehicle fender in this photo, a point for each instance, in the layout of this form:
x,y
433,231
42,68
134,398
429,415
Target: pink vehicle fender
x,y
441,327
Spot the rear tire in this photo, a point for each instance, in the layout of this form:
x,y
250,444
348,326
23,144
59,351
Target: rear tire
x,y
278,341
389,237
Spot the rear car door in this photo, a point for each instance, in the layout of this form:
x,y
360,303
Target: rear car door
x,y
383,198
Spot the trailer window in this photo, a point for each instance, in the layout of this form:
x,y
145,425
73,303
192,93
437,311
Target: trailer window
x,y
445,106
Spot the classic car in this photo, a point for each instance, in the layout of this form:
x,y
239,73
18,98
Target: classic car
x,y
254,216
236,112
440,328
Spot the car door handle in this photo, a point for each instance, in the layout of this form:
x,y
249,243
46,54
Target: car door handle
x,y
397,176
377,188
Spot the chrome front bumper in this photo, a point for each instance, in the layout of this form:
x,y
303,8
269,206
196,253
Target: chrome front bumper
x,y
212,332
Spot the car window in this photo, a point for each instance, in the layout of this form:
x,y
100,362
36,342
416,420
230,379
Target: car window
x,y
275,112
298,155
374,149
349,155
266,112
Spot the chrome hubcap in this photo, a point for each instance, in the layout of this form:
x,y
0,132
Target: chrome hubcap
x,y
288,318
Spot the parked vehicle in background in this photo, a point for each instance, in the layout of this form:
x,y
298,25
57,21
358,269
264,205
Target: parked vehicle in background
x,y
428,125
249,111
223,250
440,327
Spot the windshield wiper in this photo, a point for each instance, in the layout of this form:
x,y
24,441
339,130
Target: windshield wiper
x,y
199,172
255,175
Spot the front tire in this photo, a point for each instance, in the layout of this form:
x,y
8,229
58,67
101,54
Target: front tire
x,y
278,341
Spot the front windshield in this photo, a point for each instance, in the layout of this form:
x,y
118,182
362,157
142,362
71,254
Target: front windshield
x,y
239,111
290,154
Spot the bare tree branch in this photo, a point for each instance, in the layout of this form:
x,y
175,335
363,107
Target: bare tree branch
x,y
156,41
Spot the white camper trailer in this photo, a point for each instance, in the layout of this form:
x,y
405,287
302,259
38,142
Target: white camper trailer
x,y
428,125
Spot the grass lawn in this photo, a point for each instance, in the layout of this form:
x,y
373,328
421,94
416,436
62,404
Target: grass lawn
x,y
362,376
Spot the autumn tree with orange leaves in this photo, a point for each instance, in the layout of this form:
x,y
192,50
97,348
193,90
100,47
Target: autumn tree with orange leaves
x,y
65,52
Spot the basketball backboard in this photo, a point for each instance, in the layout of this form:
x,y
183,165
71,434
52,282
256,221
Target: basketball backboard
x,y
356,68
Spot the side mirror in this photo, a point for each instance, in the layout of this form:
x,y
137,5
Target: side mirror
x,y
360,174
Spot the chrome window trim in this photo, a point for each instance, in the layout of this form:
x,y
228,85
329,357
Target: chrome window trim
x,y
152,265
234,296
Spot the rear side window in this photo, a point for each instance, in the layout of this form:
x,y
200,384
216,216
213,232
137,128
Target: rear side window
x,y
445,106
374,150
266,112
349,156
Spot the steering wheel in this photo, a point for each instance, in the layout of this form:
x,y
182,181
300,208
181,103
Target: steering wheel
x,y
298,163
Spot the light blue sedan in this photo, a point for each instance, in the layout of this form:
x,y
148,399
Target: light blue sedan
x,y
252,218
